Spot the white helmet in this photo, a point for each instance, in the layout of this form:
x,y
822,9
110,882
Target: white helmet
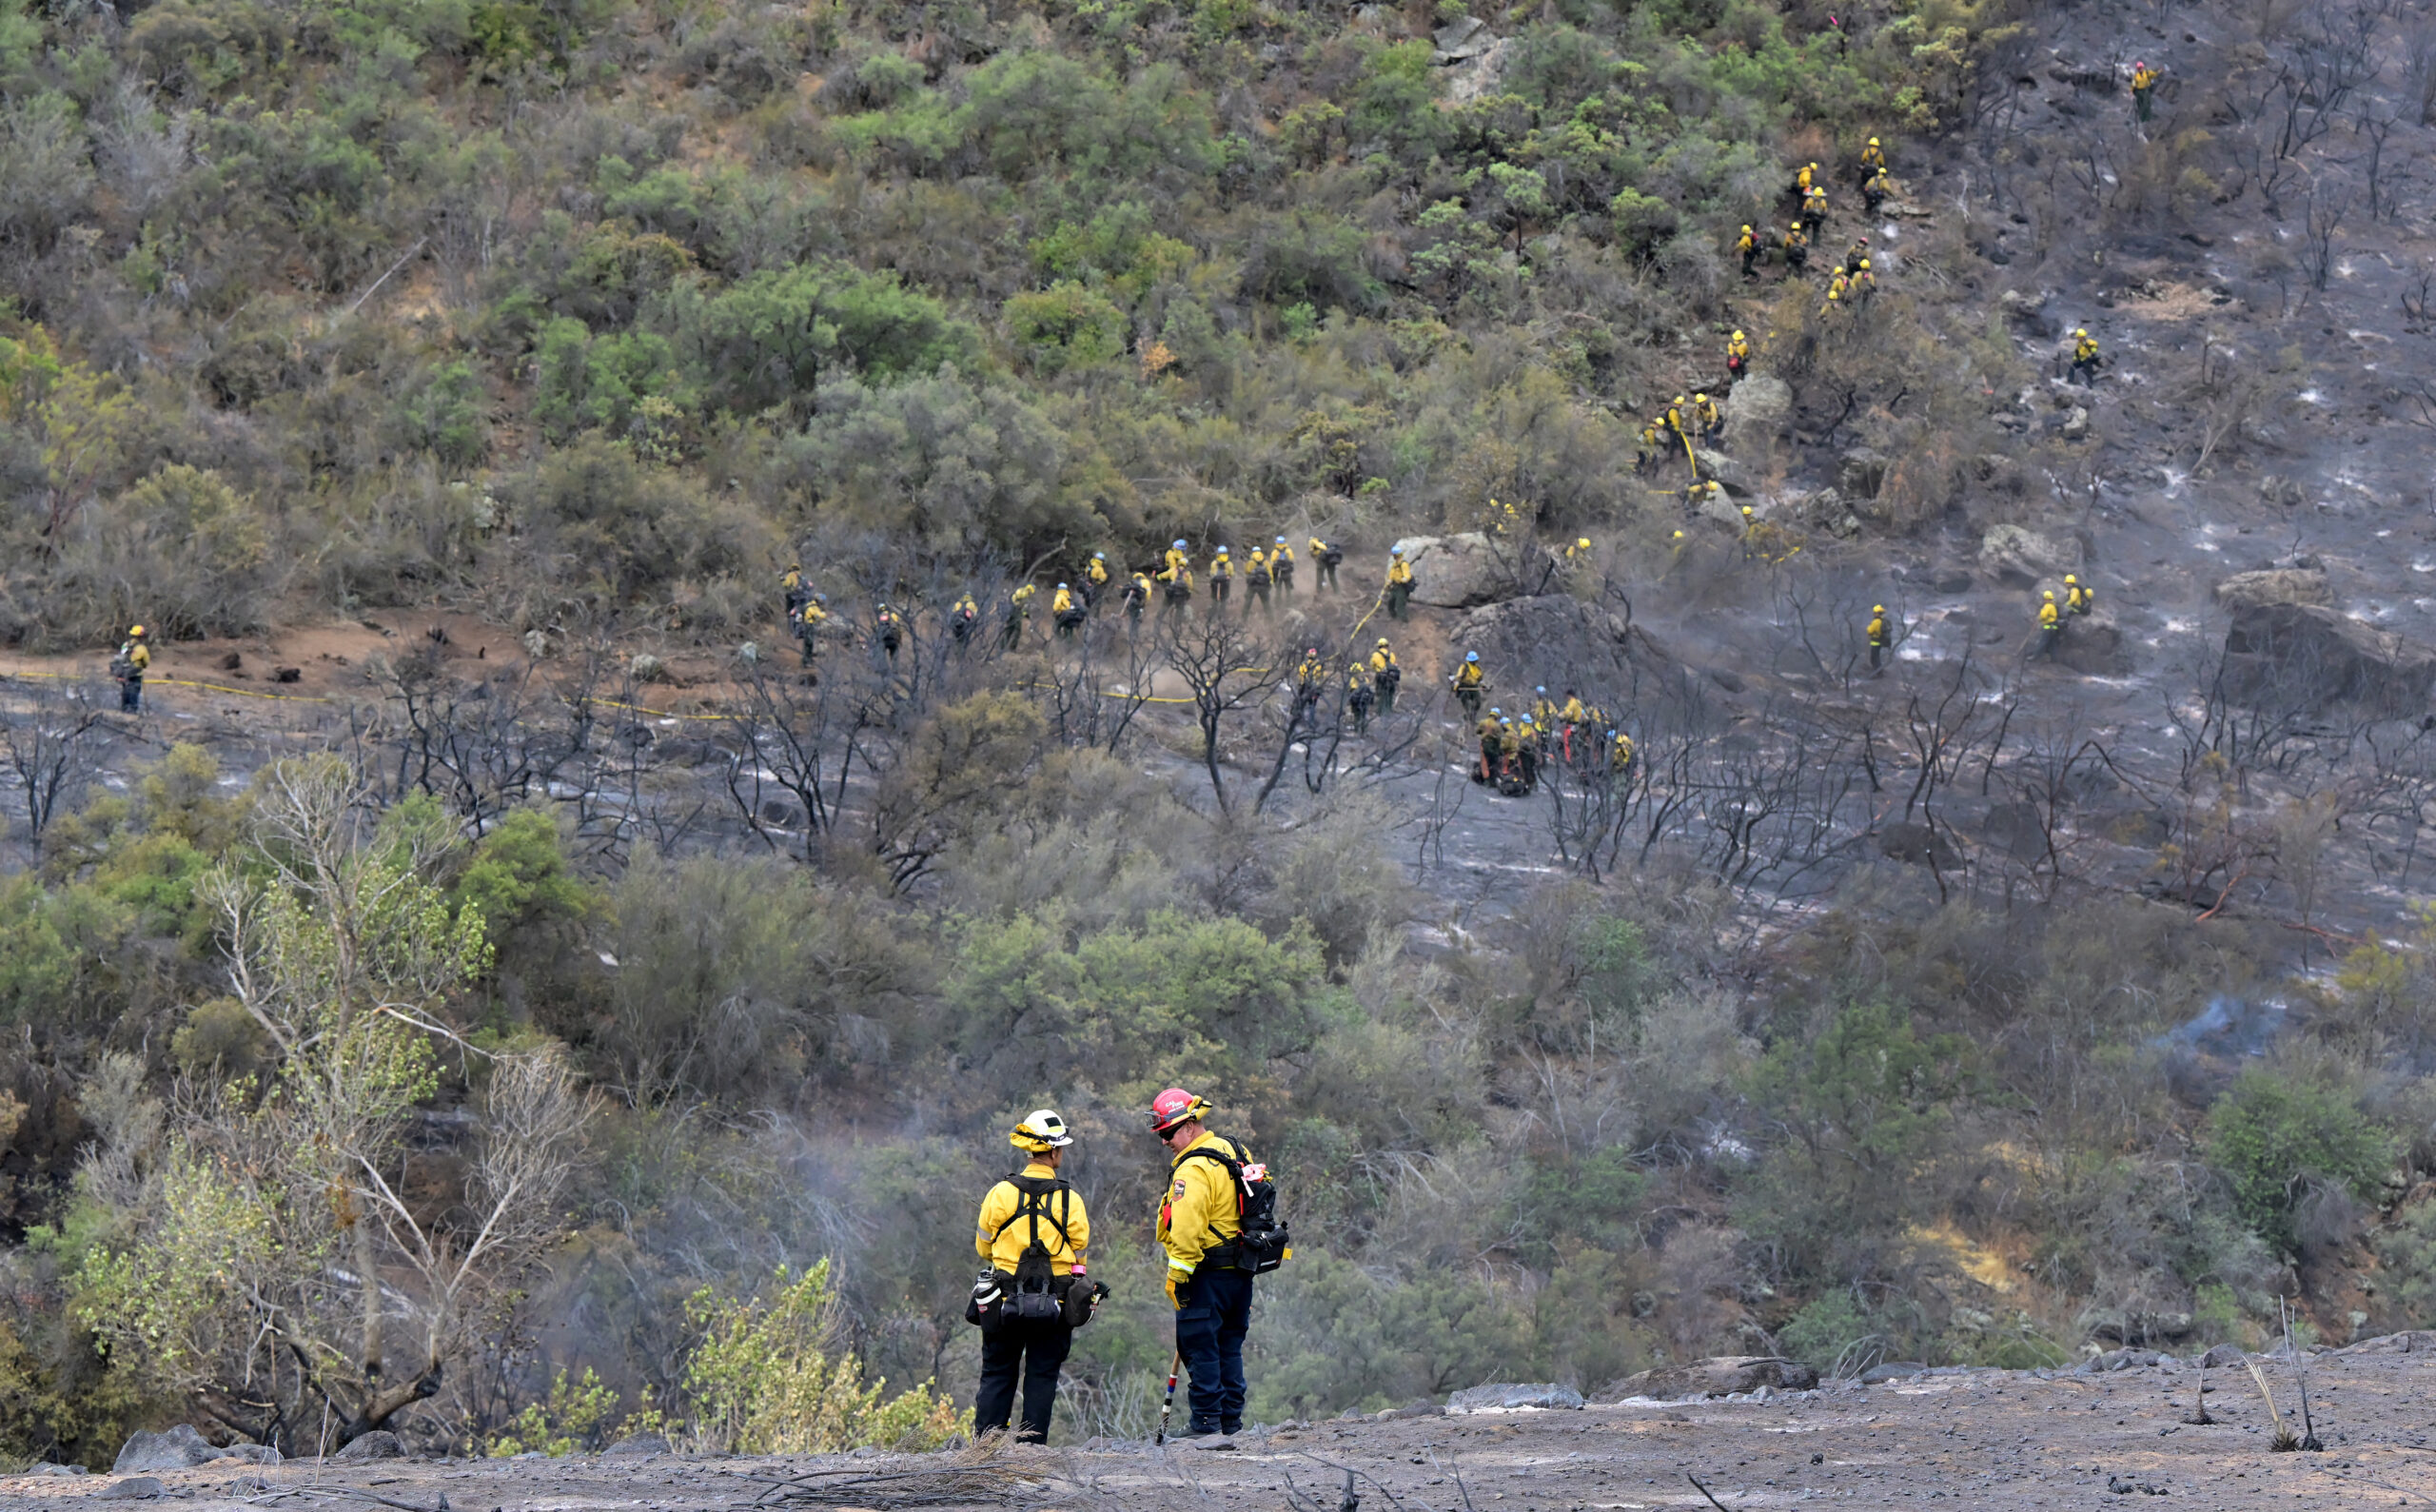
x,y
1041,1130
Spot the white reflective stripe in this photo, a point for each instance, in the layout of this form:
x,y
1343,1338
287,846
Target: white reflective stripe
x,y
1173,1264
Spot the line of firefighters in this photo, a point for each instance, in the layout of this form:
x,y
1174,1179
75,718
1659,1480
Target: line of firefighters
x,y
1515,749
1172,583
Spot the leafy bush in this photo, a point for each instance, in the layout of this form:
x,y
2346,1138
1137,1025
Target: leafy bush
x,y
2282,1142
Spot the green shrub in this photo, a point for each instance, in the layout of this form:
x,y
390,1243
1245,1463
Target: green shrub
x,y
1064,326
2277,1139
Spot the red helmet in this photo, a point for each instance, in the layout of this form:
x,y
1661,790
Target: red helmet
x,y
1174,1107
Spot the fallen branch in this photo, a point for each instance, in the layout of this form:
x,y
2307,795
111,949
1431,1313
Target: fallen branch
x,y
1704,1491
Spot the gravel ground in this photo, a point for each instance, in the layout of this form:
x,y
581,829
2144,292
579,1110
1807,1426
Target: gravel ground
x,y
1993,1439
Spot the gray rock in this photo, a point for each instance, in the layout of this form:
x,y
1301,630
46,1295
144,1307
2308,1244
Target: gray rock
x,y
1560,641
2094,645
2280,492
1893,1370
176,1448
2076,422
1479,1398
2250,590
1917,845
2020,558
647,668
2030,312
1467,569
377,1444
1719,1376
1468,78
2303,657
1862,475
2221,1356
1456,33
46,1467
1422,1408
2120,1360
134,1488
1736,477
640,1443
1758,411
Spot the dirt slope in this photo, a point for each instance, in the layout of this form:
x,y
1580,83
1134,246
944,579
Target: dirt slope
x,y
1993,1439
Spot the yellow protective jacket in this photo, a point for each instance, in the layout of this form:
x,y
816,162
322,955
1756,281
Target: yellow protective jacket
x,y
1469,675
1096,572
1400,571
1221,567
1310,674
1572,713
1382,661
2085,349
2078,599
1062,602
1203,1209
1623,757
1002,1242
1874,157
1739,349
1282,559
1174,559
2047,617
1877,630
139,655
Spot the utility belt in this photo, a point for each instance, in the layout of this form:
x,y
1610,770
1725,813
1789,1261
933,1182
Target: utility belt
x,y
1070,1300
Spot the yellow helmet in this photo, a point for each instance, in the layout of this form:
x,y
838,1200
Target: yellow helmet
x,y
1879,610
1864,264
137,631
2079,330
1746,508
1582,543
1737,336
1699,398
2070,579
1872,141
1679,535
2050,595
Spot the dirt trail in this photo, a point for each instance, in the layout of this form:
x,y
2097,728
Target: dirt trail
x,y
1996,1440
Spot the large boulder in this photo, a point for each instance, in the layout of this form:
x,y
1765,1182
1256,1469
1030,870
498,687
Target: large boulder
x,y
2094,645
1506,1397
2252,590
1736,478
177,1448
1564,642
377,1444
1861,474
2020,558
1467,569
2306,657
1719,1376
1758,411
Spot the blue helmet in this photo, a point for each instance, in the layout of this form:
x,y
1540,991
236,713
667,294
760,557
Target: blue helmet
x,y
1471,656
1179,543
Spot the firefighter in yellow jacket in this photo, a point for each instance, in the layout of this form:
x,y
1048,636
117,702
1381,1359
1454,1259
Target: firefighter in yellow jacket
x,y
1033,1207
1199,1224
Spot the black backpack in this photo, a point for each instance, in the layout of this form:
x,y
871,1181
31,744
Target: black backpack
x,y
1039,1291
1262,1245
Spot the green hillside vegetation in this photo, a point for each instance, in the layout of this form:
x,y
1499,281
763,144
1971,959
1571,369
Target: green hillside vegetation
x,y
586,317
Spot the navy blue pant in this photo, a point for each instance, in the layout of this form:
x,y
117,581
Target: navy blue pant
x,y
1027,1352
1210,1324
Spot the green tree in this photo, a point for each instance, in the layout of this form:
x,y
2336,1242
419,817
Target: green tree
x,y
2280,1139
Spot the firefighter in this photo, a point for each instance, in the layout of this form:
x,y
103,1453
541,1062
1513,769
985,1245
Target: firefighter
x,y
1832,305
1096,580
1620,757
1878,632
1256,580
1175,588
1675,429
1137,597
1200,1223
1065,612
1385,675
1873,158
1034,1205
1738,355
1796,247
1543,712
1748,244
1018,610
1281,566
2085,357
2144,82
1325,557
1526,751
1805,178
791,585
1579,552
2077,599
1750,533
889,628
1469,682
1862,283
806,622
1876,189
1399,585
1569,718
1222,581
134,655
1653,444
1487,729
1853,256
1175,556
962,619
1814,207
2051,626
1310,680
1704,414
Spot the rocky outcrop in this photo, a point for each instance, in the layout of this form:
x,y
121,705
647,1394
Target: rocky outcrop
x,y
1467,569
2253,590
182,1448
2094,645
377,1444
1719,1376
2020,559
2308,658
1758,411
1564,642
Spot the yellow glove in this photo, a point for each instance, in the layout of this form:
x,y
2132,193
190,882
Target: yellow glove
x,y
1172,1299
